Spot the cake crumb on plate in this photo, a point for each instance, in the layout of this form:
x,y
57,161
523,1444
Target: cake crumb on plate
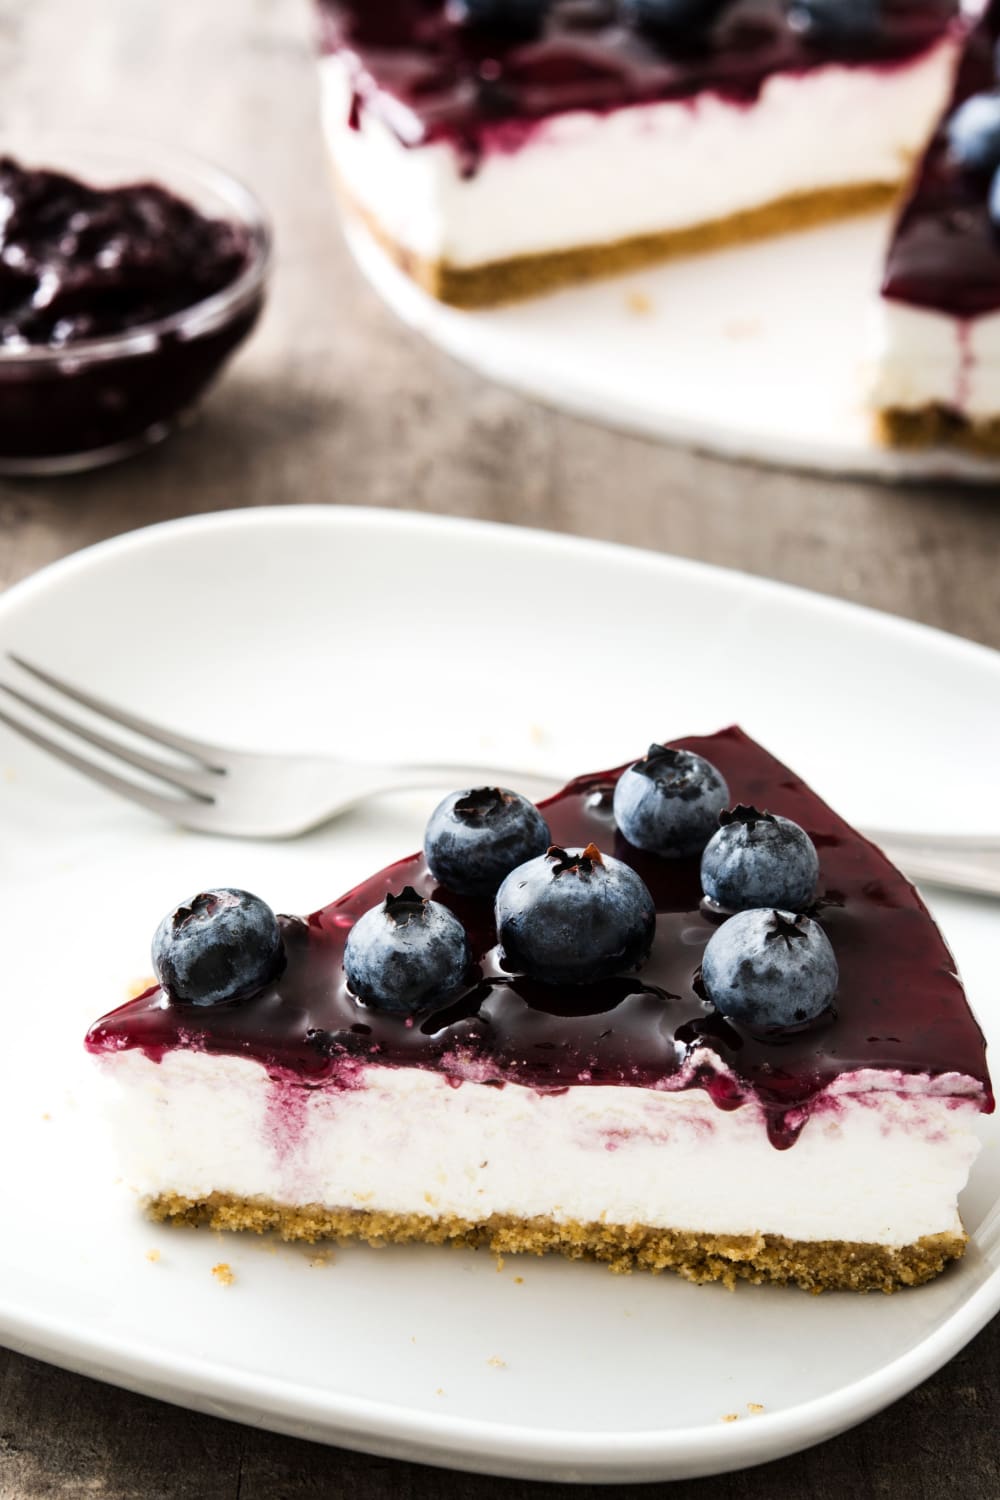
x,y
223,1273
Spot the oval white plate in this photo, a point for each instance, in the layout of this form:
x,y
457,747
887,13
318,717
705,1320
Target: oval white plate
x,y
754,353
369,631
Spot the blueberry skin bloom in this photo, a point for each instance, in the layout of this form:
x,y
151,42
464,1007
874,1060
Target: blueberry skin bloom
x,y
759,859
475,838
770,969
221,945
973,133
407,954
572,916
836,20
669,802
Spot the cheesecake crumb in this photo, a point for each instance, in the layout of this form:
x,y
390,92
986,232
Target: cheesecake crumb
x,y
430,1198
731,1416
500,1262
754,1408
519,1281
152,1255
742,328
496,1362
321,1258
223,1273
638,303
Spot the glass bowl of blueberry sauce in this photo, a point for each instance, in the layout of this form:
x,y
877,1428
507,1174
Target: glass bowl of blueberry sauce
x,y
129,273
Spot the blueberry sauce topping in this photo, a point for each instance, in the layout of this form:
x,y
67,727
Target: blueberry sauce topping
x,y
770,970
759,859
945,251
485,89
899,1006
574,916
80,262
475,838
407,954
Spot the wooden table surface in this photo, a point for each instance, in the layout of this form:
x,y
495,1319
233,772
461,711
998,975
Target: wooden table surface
x,y
334,402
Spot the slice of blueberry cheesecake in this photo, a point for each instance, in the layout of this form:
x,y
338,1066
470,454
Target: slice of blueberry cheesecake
x,y
498,148
680,1015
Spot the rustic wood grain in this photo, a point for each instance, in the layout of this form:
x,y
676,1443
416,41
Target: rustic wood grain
x,y
334,402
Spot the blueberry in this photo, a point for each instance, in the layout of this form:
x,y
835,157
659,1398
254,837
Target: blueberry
x,y
574,915
671,17
769,968
669,802
407,954
836,20
513,18
973,133
220,945
475,838
759,859
994,200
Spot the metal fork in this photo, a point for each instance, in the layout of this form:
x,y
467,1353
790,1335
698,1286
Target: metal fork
x,y
241,794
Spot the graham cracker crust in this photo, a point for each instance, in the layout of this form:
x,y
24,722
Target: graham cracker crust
x,y
816,1266
931,426
501,281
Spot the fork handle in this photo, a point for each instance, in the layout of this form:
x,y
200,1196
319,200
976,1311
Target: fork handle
x,y
977,871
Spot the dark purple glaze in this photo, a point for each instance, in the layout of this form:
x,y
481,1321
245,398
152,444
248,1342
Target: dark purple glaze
x,y
478,89
945,251
78,264
900,1006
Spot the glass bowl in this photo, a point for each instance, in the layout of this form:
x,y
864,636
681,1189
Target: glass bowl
x,y
93,401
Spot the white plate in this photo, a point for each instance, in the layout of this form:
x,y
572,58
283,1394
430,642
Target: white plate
x,y
755,353
337,629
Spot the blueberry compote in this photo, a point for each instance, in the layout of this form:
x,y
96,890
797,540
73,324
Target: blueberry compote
x,y
82,268
900,1004
945,252
458,81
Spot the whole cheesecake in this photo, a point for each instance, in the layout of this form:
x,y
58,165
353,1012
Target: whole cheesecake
x,y
498,148
679,1016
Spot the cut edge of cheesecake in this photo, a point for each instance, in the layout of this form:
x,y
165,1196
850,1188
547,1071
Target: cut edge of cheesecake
x,y
937,425
493,283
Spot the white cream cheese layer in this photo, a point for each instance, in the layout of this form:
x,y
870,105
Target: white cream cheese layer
x,y
585,178
881,1158
923,358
